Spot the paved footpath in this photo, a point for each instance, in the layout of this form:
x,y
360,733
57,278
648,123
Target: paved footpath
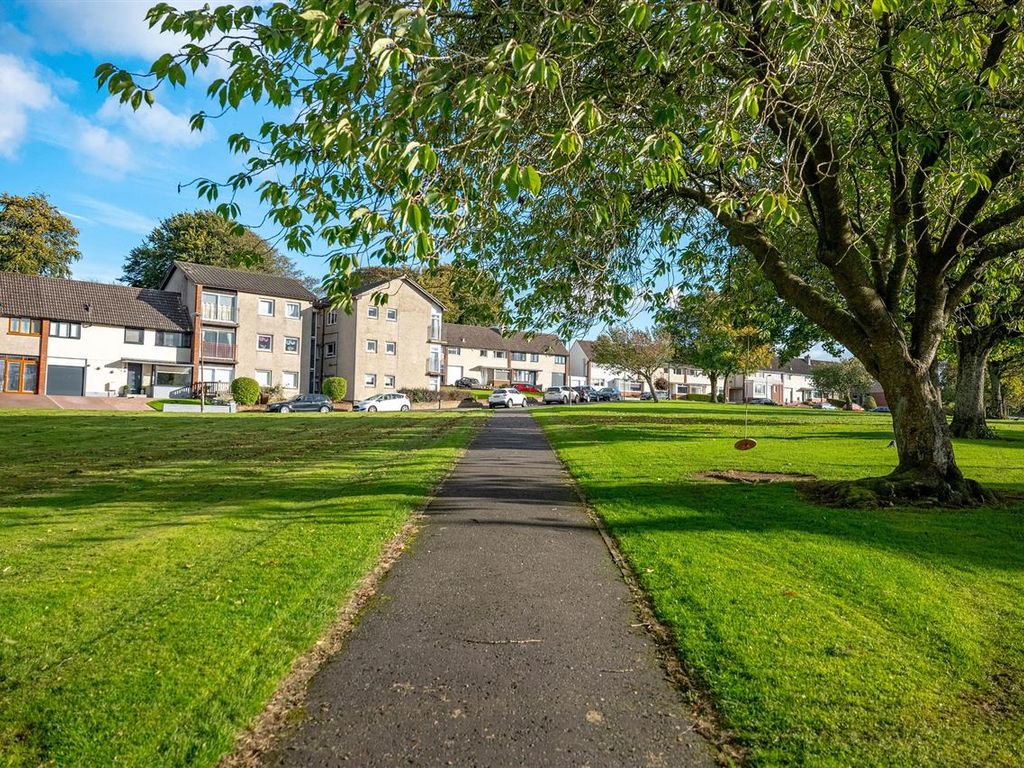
x,y
504,637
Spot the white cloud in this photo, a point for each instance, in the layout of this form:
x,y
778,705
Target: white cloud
x,y
101,151
21,90
112,215
155,124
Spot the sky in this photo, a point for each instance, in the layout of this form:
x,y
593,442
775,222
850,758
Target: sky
x,y
115,173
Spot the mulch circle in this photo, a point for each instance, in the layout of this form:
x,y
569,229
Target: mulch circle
x,y
743,476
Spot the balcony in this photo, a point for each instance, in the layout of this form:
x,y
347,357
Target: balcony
x,y
220,313
434,330
212,350
435,365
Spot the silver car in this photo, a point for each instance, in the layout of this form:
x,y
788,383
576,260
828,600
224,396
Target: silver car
x,y
563,395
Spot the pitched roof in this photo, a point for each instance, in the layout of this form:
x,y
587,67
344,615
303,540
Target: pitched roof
x,y
587,346
365,287
244,281
56,298
799,365
482,337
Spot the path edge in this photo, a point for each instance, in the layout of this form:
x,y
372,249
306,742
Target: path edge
x,y
277,717
690,686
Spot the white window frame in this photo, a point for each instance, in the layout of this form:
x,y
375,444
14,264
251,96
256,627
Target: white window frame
x,y
63,329
390,347
264,377
370,380
288,309
391,313
284,379
559,359
534,357
373,311
389,381
264,336
259,307
332,317
298,345
371,346
455,351
483,353
499,354
142,335
330,349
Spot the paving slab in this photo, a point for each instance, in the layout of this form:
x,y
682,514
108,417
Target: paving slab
x,y
505,636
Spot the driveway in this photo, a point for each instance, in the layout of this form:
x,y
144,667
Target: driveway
x,y
71,403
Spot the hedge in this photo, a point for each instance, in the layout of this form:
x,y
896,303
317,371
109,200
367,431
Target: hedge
x,y
246,391
699,398
424,395
335,387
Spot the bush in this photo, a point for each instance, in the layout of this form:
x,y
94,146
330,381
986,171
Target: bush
x,y
661,383
424,395
271,394
335,387
869,403
699,398
246,391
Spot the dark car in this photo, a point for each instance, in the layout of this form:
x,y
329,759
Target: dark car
x,y
660,394
587,394
763,401
881,409
321,403
610,394
467,382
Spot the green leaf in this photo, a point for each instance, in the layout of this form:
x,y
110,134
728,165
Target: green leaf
x,y
530,179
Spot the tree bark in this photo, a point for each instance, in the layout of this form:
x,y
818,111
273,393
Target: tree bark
x,y
713,378
997,404
969,406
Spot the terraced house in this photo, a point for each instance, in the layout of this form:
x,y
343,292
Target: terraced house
x,y
495,360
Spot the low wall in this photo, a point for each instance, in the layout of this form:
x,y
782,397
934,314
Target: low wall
x,y
190,408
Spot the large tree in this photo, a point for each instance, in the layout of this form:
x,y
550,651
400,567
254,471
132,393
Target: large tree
x,y
843,378
868,155
469,296
202,237
35,237
634,352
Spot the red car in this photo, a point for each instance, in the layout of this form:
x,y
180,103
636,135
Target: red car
x,y
527,388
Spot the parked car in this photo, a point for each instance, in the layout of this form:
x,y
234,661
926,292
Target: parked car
x,y
587,394
321,403
853,407
389,401
610,394
825,407
467,382
506,396
881,409
762,401
527,388
563,395
660,394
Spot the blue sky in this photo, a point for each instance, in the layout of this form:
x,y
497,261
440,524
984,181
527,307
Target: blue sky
x,y
114,172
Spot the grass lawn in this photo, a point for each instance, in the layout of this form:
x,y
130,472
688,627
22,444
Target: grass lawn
x,y
826,637
159,573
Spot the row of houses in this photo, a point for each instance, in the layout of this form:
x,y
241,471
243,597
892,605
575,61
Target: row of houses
x,y
208,325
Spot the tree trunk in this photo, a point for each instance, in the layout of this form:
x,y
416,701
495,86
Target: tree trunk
x,y
713,377
969,406
650,384
997,404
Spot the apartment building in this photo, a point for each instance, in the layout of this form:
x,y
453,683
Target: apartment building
x,y
69,337
247,324
495,360
393,339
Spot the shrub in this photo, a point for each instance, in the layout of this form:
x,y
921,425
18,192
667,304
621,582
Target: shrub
x,y
424,395
661,383
246,391
869,403
335,387
699,398
271,394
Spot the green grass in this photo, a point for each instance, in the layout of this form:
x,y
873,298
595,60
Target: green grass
x,y
825,637
158,405
159,573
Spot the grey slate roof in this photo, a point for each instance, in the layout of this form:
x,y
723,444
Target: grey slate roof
x,y
587,347
77,301
369,286
482,337
244,281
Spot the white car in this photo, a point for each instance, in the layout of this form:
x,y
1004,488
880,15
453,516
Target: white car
x,y
390,401
507,396
564,395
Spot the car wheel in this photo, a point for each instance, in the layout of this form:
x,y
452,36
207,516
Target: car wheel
x,y
491,406
523,404
405,407
324,409
508,403
285,409
372,409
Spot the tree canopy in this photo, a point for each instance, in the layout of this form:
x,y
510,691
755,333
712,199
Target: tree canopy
x,y
202,237
469,296
867,155
634,352
35,237
842,379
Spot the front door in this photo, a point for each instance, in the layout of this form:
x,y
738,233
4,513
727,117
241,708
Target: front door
x,y
134,378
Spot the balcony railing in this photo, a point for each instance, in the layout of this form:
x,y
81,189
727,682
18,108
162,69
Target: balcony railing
x,y
434,331
435,365
218,351
225,313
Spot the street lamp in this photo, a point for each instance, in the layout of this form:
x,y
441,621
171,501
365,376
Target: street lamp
x,y
202,372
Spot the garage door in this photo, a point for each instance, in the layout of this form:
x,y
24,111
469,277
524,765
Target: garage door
x,y
454,374
65,380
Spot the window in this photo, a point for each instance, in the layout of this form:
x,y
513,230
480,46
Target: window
x,y
500,354
454,350
371,346
373,311
332,318
26,326
389,382
292,310
291,345
534,357
370,379
390,347
682,389
264,378
636,386
172,379
330,349
392,314
220,306
264,342
217,343
559,359
679,371
759,389
483,353
64,330
173,339
266,307
519,357
217,375
134,336
290,380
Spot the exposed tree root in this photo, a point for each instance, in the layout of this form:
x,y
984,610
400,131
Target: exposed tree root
x,y
904,489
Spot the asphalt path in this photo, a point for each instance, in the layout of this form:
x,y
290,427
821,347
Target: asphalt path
x,y
505,636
